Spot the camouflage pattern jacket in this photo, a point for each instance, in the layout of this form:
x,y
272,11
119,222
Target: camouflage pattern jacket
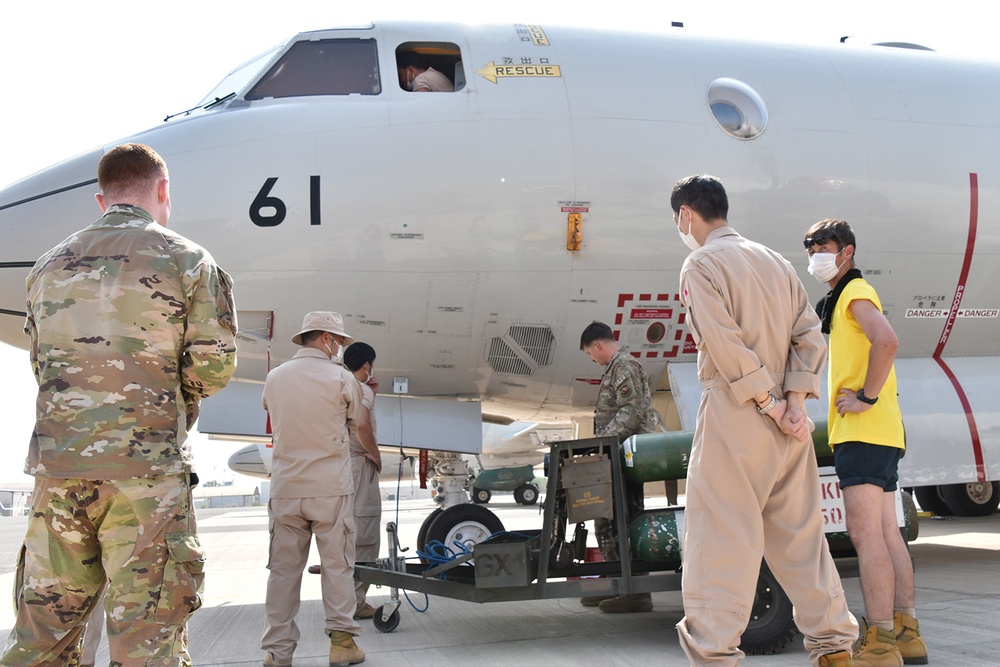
x,y
624,403
131,325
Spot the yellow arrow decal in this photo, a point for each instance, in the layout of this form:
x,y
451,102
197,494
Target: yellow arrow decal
x,y
492,72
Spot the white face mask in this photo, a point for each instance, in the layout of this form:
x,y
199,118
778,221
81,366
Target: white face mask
x,y
689,240
823,266
334,356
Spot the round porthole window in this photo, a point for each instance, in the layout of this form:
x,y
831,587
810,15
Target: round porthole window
x,y
737,108
656,332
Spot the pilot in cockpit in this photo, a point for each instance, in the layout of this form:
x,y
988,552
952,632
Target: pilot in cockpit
x,y
417,76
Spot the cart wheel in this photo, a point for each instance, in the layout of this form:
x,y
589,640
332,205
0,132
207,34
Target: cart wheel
x,y
386,626
526,494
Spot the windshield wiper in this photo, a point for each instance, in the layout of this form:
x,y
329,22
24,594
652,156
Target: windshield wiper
x,y
214,103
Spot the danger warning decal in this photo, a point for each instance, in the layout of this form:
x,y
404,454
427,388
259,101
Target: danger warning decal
x,y
652,326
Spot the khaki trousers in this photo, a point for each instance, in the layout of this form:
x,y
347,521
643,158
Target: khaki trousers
x,y
367,516
753,492
292,524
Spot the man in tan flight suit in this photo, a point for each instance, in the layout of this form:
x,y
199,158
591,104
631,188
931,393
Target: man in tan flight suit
x,y
366,464
313,404
753,484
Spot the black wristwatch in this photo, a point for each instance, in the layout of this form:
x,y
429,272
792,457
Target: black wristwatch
x,y
865,399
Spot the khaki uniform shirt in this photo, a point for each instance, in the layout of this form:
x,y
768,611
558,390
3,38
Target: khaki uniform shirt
x,y
751,319
131,324
313,404
367,403
624,403
432,81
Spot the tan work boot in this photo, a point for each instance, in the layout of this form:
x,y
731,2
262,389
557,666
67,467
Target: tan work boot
x,y
627,604
364,610
271,661
343,650
594,600
911,644
838,659
876,648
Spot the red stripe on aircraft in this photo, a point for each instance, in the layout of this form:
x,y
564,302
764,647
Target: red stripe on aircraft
x,y
267,426
970,246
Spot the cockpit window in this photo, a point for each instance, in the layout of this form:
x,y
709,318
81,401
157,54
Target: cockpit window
x,y
322,67
236,80
430,67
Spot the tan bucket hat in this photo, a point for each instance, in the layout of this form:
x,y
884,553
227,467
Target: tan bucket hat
x,y
322,320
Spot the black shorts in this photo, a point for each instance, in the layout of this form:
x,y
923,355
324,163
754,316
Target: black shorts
x,y
864,463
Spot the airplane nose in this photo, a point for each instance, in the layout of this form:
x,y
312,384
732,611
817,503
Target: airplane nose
x,y
249,460
36,213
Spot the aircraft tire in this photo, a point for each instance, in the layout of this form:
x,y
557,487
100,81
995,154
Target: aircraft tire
x,y
911,520
771,627
931,499
481,496
422,533
972,499
468,524
386,626
526,494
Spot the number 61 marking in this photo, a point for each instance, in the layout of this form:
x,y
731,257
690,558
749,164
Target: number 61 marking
x,y
261,217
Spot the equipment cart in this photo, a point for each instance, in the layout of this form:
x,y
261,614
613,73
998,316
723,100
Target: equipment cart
x,y
586,479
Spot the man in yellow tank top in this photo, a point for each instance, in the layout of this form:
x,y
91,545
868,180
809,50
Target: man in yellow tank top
x,y
866,434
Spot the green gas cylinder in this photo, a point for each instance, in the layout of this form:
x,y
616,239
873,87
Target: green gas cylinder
x,y
653,457
656,535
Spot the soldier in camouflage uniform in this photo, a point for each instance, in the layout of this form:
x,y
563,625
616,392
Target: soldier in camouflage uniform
x,y
131,325
624,408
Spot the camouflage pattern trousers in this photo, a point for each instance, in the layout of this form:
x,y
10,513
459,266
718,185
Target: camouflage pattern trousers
x,y
138,536
606,531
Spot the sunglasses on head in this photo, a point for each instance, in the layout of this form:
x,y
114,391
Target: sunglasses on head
x,y
819,239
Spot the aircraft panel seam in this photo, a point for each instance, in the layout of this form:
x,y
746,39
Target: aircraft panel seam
x,y
57,191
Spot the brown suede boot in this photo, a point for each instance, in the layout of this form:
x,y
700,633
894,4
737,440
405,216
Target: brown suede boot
x,y
343,650
364,610
594,600
627,604
911,644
